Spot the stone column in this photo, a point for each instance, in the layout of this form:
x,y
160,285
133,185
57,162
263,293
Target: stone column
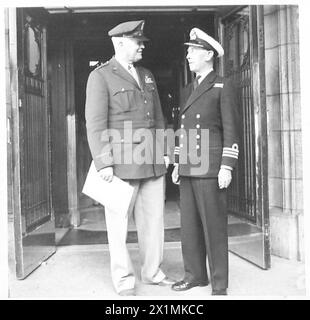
x,y
284,131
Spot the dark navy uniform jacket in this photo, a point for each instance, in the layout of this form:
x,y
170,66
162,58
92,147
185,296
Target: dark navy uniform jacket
x,y
213,105
114,98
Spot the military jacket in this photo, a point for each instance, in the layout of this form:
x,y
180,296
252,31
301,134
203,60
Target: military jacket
x,y
208,135
121,119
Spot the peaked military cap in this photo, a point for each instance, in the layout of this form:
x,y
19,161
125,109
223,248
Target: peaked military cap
x,y
199,38
129,29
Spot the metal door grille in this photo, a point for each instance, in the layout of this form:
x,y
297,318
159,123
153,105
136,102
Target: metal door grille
x,y
35,173
242,192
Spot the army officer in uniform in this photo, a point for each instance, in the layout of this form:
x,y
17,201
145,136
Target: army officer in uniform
x,y
211,105
119,93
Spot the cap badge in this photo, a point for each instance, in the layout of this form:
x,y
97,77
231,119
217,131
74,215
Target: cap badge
x,y
193,35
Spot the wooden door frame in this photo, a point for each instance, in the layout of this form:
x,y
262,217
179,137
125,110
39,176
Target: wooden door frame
x,y
261,134
15,104
62,92
73,198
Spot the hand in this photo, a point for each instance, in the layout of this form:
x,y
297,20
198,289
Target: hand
x,y
224,178
175,175
167,161
106,174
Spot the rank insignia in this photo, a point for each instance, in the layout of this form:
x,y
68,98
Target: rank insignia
x,y
147,79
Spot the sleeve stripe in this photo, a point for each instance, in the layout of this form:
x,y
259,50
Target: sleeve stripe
x,y
232,153
230,149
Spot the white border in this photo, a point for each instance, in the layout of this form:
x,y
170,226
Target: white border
x,y
3,172
304,70
305,109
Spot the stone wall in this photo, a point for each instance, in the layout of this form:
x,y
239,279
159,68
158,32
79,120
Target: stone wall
x,y
284,130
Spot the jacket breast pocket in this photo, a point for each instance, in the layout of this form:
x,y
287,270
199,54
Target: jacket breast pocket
x,y
150,87
124,99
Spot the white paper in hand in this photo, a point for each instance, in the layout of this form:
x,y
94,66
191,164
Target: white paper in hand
x,y
117,195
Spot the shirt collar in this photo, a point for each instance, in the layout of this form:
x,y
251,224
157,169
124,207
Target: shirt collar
x,y
203,75
123,63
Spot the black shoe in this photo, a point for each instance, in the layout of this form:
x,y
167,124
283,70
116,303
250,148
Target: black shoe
x,y
221,292
184,285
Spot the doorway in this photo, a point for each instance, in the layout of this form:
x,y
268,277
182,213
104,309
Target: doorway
x,y
239,28
164,55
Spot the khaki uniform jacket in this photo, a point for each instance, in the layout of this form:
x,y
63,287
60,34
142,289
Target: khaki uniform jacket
x,y
121,119
213,106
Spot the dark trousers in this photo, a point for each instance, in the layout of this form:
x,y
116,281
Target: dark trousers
x,y
204,231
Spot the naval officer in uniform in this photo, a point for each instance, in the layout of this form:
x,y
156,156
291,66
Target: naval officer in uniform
x,y
123,98
211,105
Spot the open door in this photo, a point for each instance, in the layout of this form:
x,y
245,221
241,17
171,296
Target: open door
x,y
243,38
34,228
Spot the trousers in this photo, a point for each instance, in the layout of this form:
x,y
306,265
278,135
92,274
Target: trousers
x,y
204,231
148,215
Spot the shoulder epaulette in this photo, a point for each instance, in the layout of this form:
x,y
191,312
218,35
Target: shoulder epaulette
x,y
102,65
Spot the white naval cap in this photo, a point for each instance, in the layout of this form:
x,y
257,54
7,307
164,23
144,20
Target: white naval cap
x,y
199,38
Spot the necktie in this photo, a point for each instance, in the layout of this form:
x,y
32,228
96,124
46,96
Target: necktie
x,y
196,83
133,72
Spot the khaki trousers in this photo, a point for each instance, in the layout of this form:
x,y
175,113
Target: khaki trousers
x,y
148,214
